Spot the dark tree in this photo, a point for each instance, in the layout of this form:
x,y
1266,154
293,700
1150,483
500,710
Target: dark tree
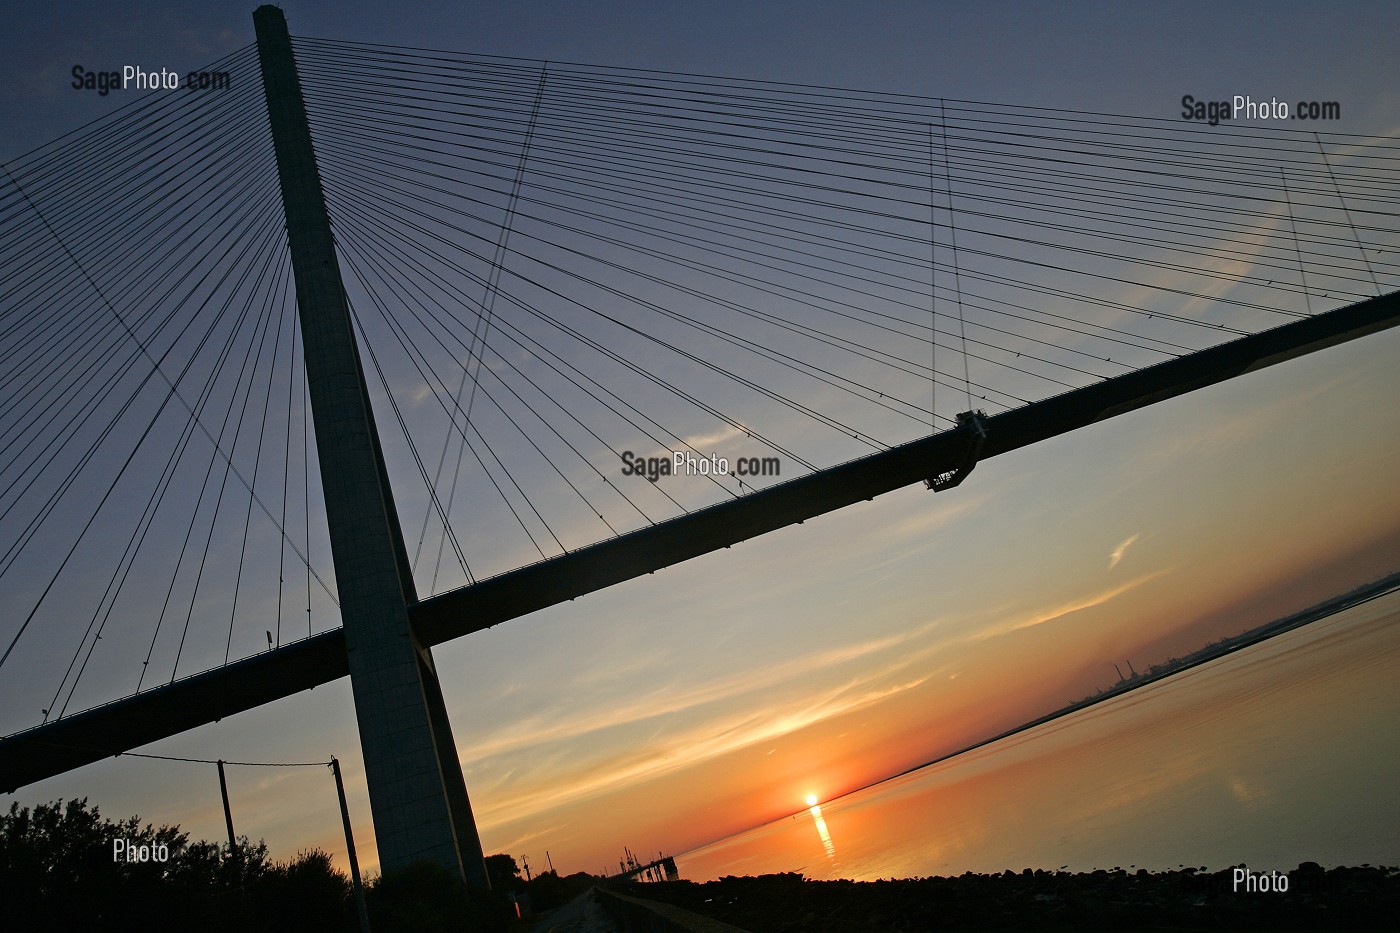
x,y
65,867
503,873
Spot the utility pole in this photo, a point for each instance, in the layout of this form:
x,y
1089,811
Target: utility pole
x,y
418,797
228,811
350,848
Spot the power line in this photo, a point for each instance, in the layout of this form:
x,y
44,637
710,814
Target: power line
x,y
224,761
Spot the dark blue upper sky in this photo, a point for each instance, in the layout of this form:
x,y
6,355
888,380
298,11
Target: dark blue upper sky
x,y
1126,58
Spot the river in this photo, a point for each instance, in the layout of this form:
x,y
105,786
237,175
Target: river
x,y
1283,752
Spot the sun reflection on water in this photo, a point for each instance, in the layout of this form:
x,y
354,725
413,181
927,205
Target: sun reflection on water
x,y
816,812
1139,778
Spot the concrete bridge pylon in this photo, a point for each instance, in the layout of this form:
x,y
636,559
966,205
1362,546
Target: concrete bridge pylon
x,y
418,796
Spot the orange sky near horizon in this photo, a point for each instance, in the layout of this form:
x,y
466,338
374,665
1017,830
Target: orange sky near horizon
x,y
657,715
931,670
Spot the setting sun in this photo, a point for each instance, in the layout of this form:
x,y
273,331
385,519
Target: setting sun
x,y
811,800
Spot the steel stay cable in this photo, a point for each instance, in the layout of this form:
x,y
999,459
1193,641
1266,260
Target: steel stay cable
x,y
1167,243
650,86
689,322
875,314
261,327
407,342
95,195
184,444
488,305
1120,189
138,537
144,348
739,277
484,321
707,364
99,265
157,498
171,393
1025,166
67,432
1102,253
119,293
1015,259
793,89
6,560
434,502
530,345
901,259
286,465
89,130
389,282
1119,220
257,458
89,343
826,337
162,138
664,311
840,174
423,471
902,219
536,350
1167,316
623,361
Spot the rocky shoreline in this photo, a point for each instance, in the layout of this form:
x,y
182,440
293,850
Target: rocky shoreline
x,y
1306,898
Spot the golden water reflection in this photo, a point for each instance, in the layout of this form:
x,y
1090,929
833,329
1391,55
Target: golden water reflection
x,y
827,844
1236,761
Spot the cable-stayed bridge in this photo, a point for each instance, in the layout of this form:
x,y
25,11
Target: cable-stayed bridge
x,y
553,270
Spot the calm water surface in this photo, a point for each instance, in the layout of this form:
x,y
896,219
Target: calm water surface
x,y
1277,754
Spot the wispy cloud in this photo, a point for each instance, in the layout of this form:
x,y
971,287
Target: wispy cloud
x,y
705,740
556,725
707,443
1245,426
1040,617
714,438
1120,550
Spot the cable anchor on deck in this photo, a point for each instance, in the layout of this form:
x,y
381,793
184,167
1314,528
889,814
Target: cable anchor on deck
x,y
976,428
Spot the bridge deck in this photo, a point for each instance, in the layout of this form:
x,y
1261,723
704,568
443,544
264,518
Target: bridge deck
x,y
73,741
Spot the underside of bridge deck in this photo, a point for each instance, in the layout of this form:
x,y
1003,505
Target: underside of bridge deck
x,y
80,739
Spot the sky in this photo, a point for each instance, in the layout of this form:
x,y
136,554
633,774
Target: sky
x,y
677,708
